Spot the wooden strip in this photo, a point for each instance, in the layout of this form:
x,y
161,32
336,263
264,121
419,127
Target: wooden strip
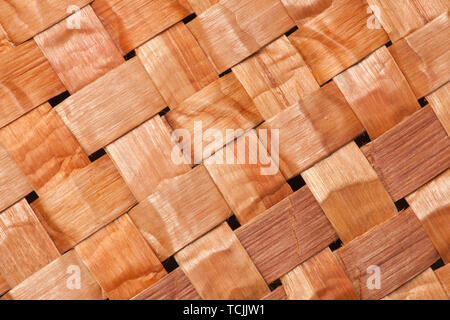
x,y
66,278
79,56
176,64
350,192
286,234
13,184
181,210
223,105
410,154
276,77
26,81
132,23
277,294
201,5
313,129
143,157
424,56
431,204
335,36
319,278
22,20
5,44
399,18
303,11
111,106
3,286
232,30
220,268
174,286
426,286
443,275
121,260
25,246
399,247
88,200
43,147
378,92
261,185
439,102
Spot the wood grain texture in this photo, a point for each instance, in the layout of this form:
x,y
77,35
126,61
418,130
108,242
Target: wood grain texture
x,y
179,211
83,203
399,18
26,81
43,148
439,101
21,20
248,190
174,286
431,204
443,275
336,36
399,247
319,278
130,24
313,128
350,192
424,56
220,269
4,287
378,92
176,63
410,154
111,106
201,5
425,286
302,11
143,157
56,282
79,56
25,246
5,44
276,77
120,259
13,183
232,30
223,105
277,294
286,234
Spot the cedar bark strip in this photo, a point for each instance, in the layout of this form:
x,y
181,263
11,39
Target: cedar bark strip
x,y
286,234
217,273
3,286
439,101
444,277
131,264
201,5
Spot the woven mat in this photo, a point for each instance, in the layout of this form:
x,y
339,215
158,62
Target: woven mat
x,y
121,175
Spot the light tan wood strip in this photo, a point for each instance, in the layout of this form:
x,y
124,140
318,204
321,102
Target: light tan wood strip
x,y
277,294
232,30
443,275
399,18
286,234
132,23
220,268
5,44
66,278
336,37
302,11
201,5
174,286
425,286
424,56
276,77
111,106
350,192
439,101
43,147
21,20
319,278
399,247
249,189
79,55
176,63
25,246
152,142
431,204
378,92
83,203
312,129
120,259
26,81
179,211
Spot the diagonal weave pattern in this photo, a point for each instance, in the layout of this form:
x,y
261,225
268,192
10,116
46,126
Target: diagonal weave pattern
x,y
92,205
